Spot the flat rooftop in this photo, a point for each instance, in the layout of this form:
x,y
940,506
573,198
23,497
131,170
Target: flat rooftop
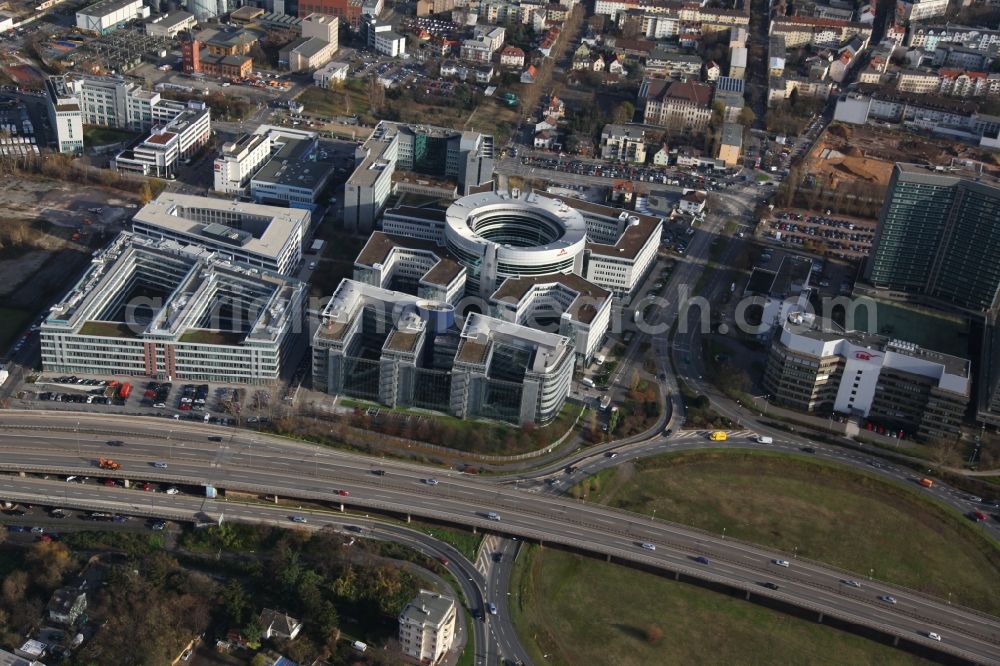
x,y
633,238
293,166
380,246
107,7
270,226
583,308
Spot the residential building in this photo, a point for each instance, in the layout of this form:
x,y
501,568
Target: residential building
x,y
390,43
937,237
466,158
673,64
296,175
331,73
731,144
267,237
427,627
729,92
623,143
170,24
12,659
712,71
160,154
676,104
920,10
202,316
928,37
805,30
401,350
738,63
67,605
662,156
65,116
528,75
512,56
108,15
276,624
738,36
692,202
816,366
920,81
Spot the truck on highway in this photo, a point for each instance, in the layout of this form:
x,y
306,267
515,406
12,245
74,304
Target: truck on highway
x,y
926,483
107,463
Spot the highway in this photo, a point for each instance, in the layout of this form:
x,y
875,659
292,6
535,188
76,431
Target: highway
x,y
261,464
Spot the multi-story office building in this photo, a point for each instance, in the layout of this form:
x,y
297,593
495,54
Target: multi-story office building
x,y
109,101
444,154
240,160
160,153
294,175
401,350
266,237
159,309
562,302
496,236
427,627
107,16
415,267
938,237
65,116
816,367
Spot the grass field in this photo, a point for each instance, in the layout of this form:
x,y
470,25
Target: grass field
x,y
12,322
94,135
821,511
943,334
572,610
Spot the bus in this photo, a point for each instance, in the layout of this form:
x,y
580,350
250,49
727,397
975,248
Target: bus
x,y
605,402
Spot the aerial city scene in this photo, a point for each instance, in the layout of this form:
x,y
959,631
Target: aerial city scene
x,y
499,332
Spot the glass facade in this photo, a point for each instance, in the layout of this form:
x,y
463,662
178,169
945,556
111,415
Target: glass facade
x,y
938,235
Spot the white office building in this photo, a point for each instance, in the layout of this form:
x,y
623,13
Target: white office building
x,y
65,116
239,161
160,154
171,24
106,16
113,101
331,73
427,627
294,175
434,154
390,43
159,309
266,237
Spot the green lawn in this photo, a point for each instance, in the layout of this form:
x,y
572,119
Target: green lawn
x,y
940,333
463,541
825,511
94,135
12,322
578,610
329,103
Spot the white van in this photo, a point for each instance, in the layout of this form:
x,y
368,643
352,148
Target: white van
x,y
763,439
588,382
359,646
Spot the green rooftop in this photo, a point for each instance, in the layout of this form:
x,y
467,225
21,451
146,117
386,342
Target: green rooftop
x,y
107,329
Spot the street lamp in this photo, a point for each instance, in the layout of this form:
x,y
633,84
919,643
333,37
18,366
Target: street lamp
x,y
723,533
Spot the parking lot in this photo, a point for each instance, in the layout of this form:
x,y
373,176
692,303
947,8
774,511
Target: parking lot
x,y
212,403
843,237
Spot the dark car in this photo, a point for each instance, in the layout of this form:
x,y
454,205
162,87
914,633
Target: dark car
x,y
771,586
116,442
378,472
215,438
807,449
701,559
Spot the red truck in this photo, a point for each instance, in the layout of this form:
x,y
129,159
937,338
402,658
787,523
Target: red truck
x,y
926,483
124,390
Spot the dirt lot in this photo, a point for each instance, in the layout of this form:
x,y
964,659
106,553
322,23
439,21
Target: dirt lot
x,y
37,264
846,155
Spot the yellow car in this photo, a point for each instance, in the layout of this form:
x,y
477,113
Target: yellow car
x,y
718,436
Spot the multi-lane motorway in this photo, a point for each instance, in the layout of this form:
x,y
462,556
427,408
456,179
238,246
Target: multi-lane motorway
x,y
262,464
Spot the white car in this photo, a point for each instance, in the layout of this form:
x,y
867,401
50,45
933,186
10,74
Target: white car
x,y
160,465
889,599
934,636
781,563
173,491
852,583
431,481
649,546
